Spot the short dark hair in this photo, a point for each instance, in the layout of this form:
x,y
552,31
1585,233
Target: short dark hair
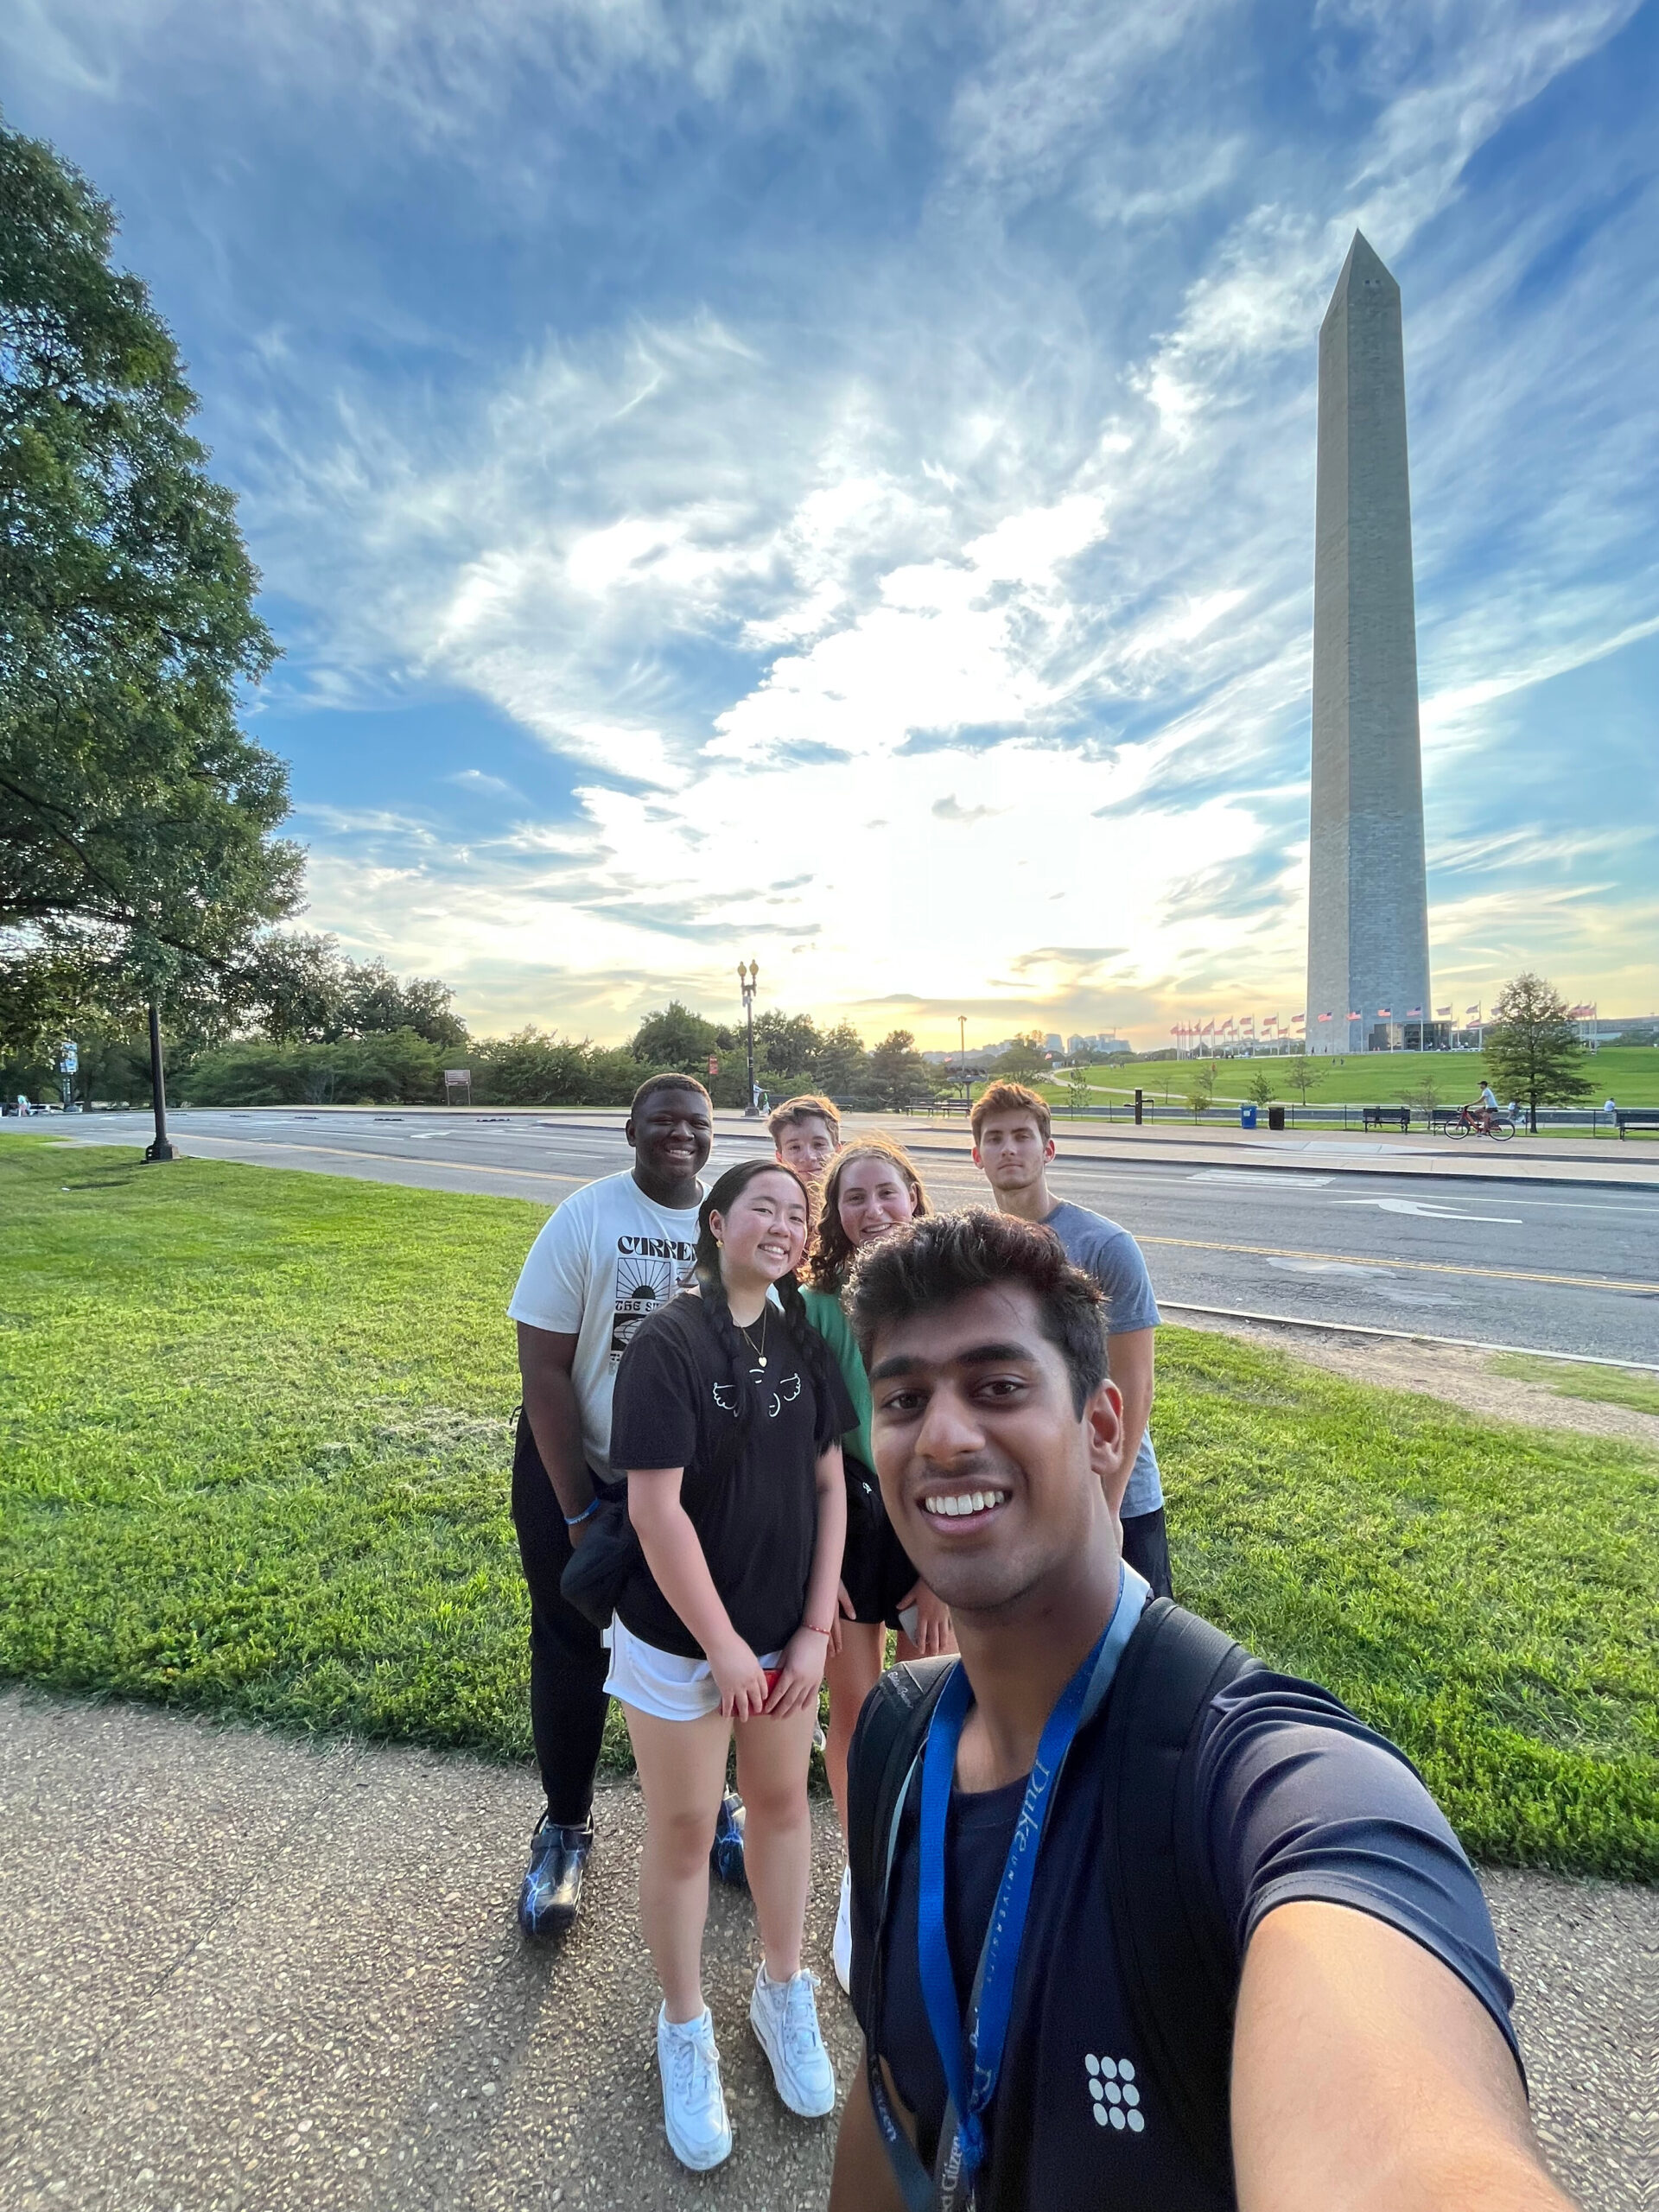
x,y
933,1262
1009,1099
809,1106
653,1084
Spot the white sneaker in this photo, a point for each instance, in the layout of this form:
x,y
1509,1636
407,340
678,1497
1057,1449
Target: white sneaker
x,y
694,2106
841,1949
785,2017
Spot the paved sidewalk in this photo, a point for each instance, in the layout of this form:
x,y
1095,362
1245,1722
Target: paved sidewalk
x,y
240,1971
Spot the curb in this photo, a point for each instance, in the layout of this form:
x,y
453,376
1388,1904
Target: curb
x,y
1405,1336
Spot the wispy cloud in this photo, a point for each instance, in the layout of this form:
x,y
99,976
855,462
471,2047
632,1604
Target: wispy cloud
x,y
875,446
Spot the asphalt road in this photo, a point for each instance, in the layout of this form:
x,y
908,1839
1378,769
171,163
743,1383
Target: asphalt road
x,y
1568,1267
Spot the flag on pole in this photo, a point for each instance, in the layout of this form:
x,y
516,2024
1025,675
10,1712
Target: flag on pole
x,y
1383,1014
1354,1015
1297,1020
1442,1014
1472,1014
1414,1014
1325,1017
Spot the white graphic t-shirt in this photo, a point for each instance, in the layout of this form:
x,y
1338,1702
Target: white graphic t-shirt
x,y
608,1258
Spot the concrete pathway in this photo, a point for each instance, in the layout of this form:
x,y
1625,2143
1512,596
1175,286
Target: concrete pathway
x,y
236,1970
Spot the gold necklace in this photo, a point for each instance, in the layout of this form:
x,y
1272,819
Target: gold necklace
x,y
760,1356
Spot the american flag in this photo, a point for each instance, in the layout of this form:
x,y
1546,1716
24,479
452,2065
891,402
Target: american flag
x,y
1442,1014
1472,1014
1354,1014
1383,1014
1414,1014
1325,1017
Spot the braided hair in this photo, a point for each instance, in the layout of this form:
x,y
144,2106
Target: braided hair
x,y
830,1258
716,1307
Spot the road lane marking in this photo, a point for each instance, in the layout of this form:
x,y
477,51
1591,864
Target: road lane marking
x,y
1259,1177
1433,1212
396,1159
1418,1266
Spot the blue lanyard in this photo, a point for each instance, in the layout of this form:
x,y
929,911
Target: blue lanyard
x,y
971,2052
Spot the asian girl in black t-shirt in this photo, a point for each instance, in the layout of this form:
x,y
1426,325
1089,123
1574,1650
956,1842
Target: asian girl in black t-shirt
x,y
727,1418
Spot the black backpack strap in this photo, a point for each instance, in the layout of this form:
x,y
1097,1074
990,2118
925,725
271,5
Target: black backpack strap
x,y
1180,1980
887,1742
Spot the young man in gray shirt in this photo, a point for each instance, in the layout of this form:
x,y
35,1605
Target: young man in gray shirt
x,y
1013,1146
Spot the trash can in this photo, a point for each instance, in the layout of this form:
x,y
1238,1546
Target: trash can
x,y
1247,1117
1276,1117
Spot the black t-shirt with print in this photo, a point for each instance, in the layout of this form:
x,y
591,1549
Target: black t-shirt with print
x,y
754,1504
1295,1799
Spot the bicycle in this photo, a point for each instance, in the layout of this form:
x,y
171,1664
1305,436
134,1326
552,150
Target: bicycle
x,y
1468,1123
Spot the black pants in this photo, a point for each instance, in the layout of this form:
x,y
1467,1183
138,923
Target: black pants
x,y
1145,1547
567,1663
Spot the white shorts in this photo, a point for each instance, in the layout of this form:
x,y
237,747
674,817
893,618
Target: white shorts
x,y
662,1683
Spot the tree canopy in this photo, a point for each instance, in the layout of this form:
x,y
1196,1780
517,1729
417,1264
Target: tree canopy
x,y
131,802
1531,1049
301,989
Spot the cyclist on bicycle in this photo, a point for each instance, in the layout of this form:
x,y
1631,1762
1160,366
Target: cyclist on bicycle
x,y
1484,1110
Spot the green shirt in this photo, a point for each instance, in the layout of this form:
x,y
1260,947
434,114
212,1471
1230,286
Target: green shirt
x,y
823,1310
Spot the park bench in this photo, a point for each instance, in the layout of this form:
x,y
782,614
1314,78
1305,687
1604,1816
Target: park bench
x,y
1378,1118
1637,1117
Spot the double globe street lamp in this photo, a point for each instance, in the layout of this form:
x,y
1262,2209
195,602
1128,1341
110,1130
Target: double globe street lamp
x,y
746,977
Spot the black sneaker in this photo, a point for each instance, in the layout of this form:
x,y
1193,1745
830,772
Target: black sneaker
x,y
726,1854
551,1896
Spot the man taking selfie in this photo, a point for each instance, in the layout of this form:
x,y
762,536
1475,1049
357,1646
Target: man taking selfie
x,y
1137,1922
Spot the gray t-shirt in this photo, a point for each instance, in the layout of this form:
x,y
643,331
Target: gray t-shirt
x,y
1111,1255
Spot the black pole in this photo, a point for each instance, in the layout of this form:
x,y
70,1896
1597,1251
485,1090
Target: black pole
x,y
748,1010
160,1149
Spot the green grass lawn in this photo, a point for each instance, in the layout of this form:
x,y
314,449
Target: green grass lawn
x,y
1608,1386
254,1452
1629,1073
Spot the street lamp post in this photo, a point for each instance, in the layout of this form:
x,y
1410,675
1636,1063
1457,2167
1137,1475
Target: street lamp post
x,y
746,977
961,1057
160,1149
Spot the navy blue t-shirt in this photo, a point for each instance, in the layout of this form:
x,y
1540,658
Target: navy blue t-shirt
x,y
1296,1799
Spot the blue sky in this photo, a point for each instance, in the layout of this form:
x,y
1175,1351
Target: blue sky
x,y
834,483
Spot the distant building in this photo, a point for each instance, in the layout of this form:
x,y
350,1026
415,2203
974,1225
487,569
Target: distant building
x,y
1101,1041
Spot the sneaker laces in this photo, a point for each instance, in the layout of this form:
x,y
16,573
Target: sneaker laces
x,y
801,2036
694,2063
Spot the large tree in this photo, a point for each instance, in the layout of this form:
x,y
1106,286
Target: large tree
x,y
899,1074
131,802
1531,1049
675,1038
786,1047
301,989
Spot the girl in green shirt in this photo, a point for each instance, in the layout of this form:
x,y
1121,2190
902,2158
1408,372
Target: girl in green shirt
x,y
871,1188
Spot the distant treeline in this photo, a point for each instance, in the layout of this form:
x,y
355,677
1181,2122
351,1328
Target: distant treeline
x,y
300,1023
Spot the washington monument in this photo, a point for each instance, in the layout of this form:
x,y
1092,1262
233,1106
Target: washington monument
x,y
1367,898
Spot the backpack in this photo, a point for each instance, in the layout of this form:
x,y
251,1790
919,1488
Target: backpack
x,y
1175,1954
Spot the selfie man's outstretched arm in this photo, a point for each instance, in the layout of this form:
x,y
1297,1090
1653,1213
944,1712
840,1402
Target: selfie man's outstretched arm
x,y
1367,2078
